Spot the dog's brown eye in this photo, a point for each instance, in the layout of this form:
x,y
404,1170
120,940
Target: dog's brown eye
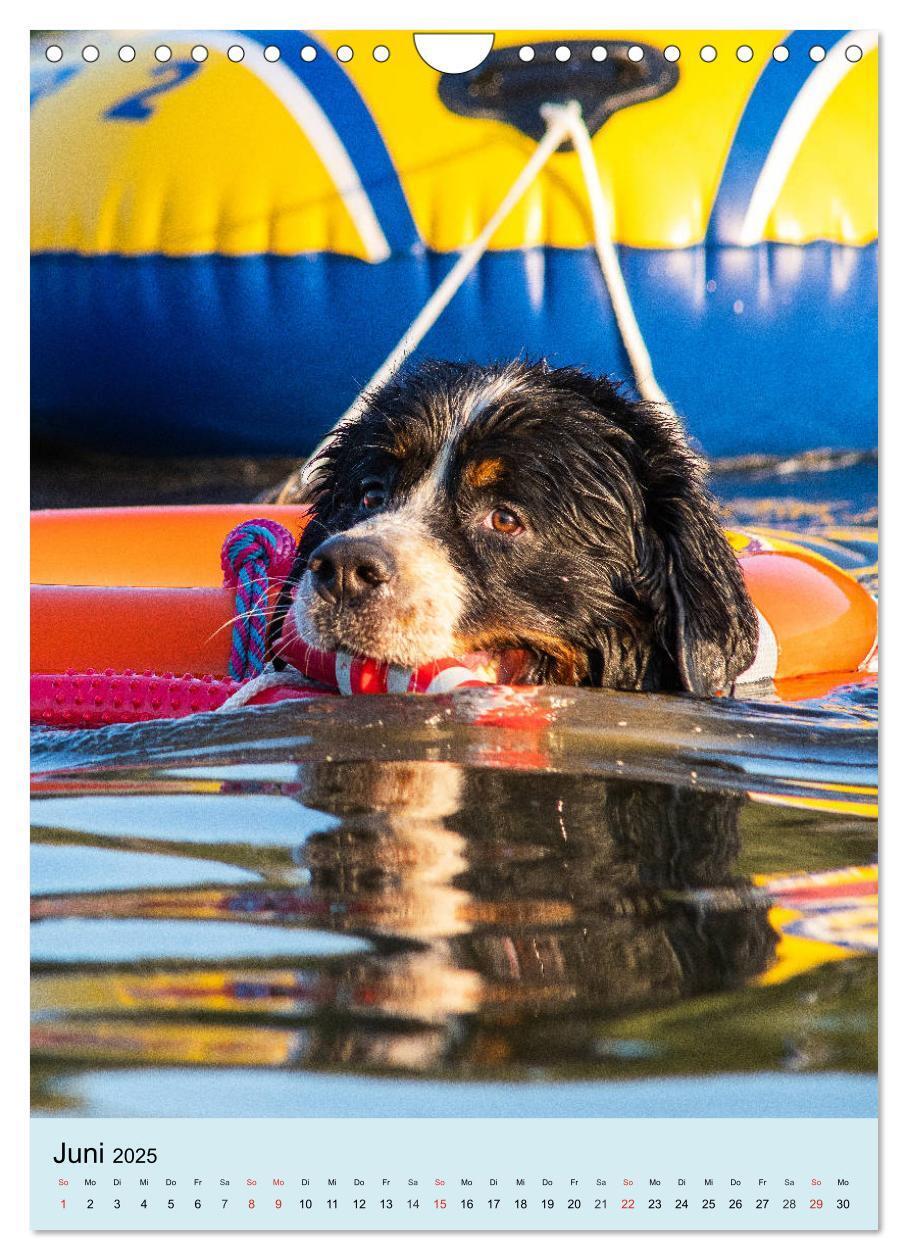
x,y
503,521
373,497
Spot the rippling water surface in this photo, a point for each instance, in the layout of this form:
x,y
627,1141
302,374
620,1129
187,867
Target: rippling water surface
x,y
551,902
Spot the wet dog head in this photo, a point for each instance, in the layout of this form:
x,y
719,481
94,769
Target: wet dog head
x,y
481,508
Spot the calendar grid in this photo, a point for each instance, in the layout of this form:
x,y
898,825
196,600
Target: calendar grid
x,y
476,1175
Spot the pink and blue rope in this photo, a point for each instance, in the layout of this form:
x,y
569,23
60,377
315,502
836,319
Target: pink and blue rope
x,y
254,554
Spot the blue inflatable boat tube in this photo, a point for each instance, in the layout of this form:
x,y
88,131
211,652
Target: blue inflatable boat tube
x,y
225,249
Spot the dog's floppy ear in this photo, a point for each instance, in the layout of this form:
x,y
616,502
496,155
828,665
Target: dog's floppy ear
x,y
705,623
713,624
709,626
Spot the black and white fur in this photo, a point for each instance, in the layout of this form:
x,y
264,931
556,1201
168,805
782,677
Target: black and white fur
x,y
474,508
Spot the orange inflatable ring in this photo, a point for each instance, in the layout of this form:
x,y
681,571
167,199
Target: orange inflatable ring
x,y
139,589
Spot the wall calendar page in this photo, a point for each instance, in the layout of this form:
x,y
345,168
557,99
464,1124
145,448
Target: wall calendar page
x,y
454,629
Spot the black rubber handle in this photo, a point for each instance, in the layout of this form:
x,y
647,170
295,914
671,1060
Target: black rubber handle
x,y
511,90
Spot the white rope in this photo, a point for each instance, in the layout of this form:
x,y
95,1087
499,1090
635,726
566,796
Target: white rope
x,y
558,124
270,677
561,121
631,336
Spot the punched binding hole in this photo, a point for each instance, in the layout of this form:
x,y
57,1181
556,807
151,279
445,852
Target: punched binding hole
x,y
162,53
635,53
817,52
199,53
235,53
780,53
708,53
745,53
345,53
127,53
526,53
599,53
272,53
90,53
854,52
308,53
672,53
381,52
53,52
562,53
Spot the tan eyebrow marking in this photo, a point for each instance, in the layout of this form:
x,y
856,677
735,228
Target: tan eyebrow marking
x,y
482,472
399,445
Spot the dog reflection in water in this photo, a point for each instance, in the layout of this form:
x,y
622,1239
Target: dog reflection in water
x,y
516,911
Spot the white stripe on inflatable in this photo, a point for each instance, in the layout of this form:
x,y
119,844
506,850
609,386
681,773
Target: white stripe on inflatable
x,y
343,663
316,126
766,661
450,678
398,680
816,91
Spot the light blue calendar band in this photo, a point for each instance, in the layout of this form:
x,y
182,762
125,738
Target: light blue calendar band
x,y
366,1174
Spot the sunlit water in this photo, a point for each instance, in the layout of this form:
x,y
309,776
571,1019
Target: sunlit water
x,y
551,902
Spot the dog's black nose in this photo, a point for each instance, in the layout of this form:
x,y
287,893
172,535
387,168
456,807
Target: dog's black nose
x,y
348,568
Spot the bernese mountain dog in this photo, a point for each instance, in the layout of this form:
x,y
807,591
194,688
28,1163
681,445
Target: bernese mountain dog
x,y
472,508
